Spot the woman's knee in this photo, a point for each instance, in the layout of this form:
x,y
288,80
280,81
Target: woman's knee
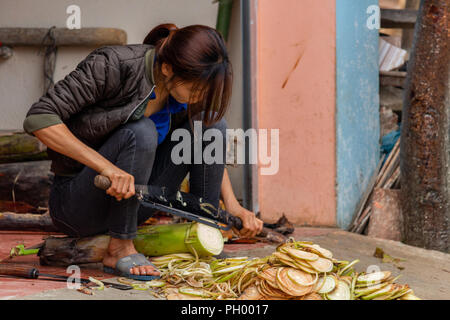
x,y
144,134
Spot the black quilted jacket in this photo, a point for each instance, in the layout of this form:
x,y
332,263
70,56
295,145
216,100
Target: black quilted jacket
x,y
98,96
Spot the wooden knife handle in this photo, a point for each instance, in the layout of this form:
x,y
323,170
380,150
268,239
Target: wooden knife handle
x,y
102,182
9,269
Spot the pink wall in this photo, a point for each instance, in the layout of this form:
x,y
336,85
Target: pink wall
x,y
296,94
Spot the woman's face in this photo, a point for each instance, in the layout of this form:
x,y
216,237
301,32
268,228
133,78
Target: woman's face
x,y
181,91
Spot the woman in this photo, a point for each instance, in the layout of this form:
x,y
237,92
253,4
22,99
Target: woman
x,y
112,115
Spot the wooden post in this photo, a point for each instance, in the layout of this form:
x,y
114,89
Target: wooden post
x,y
408,34
425,146
63,36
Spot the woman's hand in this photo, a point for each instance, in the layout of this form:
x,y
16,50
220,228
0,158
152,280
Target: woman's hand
x,y
251,225
122,183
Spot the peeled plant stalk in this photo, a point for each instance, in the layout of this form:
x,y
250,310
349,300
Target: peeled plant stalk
x,y
100,284
385,291
290,287
347,268
196,238
301,278
409,296
368,290
299,254
321,265
372,278
326,285
193,292
341,292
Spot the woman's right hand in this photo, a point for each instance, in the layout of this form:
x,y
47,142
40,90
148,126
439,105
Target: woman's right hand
x,y
122,183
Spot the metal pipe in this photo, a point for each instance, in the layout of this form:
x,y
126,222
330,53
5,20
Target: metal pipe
x,y
248,25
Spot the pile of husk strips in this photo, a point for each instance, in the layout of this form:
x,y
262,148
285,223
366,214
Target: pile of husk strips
x,y
298,270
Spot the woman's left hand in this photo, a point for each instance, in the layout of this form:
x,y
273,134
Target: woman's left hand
x,y
251,224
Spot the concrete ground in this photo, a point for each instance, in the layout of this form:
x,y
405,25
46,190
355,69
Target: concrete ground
x,y
427,272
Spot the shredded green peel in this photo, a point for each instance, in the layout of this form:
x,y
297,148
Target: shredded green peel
x,y
100,284
223,279
20,250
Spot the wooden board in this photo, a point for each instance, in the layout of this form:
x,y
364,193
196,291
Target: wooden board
x,y
398,19
63,36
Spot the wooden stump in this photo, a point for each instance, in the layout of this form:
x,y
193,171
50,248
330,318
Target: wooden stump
x,y
57,251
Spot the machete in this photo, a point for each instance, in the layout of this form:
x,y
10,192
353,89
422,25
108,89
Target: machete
x,y
29,272
205,213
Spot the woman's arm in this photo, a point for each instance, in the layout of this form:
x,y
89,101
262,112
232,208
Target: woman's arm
x,y
96,78
60,139
80,89
251,225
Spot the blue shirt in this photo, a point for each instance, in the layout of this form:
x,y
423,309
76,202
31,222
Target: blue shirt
x,y
162,117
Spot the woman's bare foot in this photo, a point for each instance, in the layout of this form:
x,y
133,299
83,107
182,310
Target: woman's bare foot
x,y
119,248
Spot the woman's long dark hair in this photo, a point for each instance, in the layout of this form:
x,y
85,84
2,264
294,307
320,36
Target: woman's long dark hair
x,y
198,55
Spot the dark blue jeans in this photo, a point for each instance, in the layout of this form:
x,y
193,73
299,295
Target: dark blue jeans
x,y
80,209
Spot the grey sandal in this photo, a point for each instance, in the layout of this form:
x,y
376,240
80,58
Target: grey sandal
x,y
124,265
